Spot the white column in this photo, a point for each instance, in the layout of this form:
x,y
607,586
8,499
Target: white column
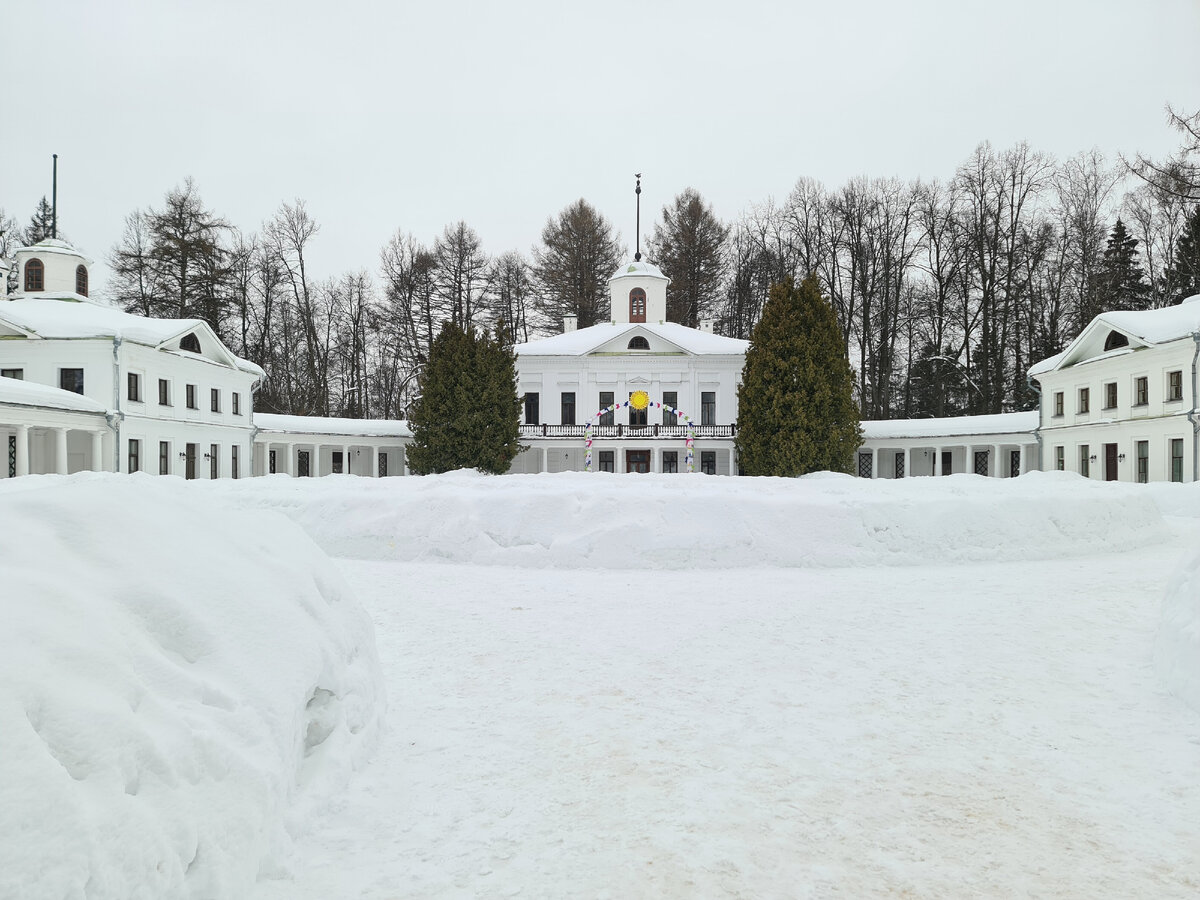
x,y
289,459
1021,464
937,460
994,462
97,451
314,464
875,462
346,460
22,449
60,451
908,462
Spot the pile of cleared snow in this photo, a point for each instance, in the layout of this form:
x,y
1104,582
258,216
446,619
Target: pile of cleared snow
x,y
684,522
182,685
1177,650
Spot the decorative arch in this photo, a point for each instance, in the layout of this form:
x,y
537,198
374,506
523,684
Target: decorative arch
x,y
81,280
641,400
637,342
190,342
1114,340
35,275
637,305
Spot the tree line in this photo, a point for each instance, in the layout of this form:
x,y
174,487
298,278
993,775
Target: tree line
x,y
945,291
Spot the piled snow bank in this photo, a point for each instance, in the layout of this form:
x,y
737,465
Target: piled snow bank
x,y
1177,649
680,522
182,685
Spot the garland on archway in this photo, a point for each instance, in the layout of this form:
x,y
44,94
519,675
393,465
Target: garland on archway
x,y
640,400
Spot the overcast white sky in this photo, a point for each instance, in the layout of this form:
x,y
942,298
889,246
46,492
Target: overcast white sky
x,y
397,115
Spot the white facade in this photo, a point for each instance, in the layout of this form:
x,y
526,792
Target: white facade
x,y
567,380
312,446
173,398
1120,403
999,446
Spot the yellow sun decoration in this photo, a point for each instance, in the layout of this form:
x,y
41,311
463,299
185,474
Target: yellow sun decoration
x,y
639,400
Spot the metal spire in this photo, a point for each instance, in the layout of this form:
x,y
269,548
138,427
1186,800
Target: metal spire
x,y
637,232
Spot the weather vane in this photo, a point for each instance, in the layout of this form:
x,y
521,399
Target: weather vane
x,y
637,231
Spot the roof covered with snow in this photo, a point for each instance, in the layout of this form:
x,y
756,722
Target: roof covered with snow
x,y
27,393
1002,423
1147,327
52,245
639,268
76,319
587,340
333,426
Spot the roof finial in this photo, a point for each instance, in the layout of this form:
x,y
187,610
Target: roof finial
x,y
54,201
637,232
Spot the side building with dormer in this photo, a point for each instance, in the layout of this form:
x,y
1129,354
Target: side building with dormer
x,y
641,393
118,392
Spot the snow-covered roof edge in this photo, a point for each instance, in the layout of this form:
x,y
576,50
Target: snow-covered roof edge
x,y
329,425
953,426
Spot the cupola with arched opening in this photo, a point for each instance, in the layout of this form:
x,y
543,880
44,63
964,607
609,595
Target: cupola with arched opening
x,y
638,293
51,270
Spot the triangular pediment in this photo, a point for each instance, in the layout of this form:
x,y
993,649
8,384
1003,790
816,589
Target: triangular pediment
x,y
637,341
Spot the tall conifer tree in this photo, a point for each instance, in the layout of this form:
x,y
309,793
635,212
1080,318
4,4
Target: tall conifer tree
x,y
796,409
466,414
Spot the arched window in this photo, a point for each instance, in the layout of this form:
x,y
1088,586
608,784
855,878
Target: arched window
x,y
639,343
190,342
81,280
35,275
1114,340
637,305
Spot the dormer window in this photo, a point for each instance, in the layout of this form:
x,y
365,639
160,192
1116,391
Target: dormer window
x,y
81,281
191,343
35,275
638,343
1114,340
637,305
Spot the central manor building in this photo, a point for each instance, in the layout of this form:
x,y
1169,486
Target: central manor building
x,y
641,393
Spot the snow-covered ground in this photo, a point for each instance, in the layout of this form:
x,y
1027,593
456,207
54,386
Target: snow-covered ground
x,y
698,687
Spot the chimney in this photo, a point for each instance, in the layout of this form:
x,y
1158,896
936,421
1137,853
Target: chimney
x,y
706,325
570,323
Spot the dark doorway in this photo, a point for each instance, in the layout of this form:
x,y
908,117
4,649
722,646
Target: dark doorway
x,y
189,469
337,462
1014,463
637,461
302,469
1110,462
947,462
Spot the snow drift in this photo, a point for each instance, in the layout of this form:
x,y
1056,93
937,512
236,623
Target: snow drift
x,y
681,522
183,686
1177,649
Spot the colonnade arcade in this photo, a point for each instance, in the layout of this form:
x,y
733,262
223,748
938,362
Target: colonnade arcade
x,y
1005,456
52,449
306,457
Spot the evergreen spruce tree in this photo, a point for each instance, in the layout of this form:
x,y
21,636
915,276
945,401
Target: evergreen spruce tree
x,y
1183,277
40,224
1119,279
466,412
796,409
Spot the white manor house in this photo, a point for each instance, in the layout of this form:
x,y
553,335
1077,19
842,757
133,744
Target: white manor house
x,y
84,386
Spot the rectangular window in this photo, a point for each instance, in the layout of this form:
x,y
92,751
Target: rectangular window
x,y
336,461
607,461
708,462
191,397
233,461
1110,395
18,374
637,417
1084,400
134,387
1177,459
1083,460
71,380
1141,391
1060,459
271,462
708,407
383,464
671,399
1175,385
606,400
237,403
214,461
1058,403
568,408
1143,461
531,408
214,399
164,457
670,463
135,455
164,392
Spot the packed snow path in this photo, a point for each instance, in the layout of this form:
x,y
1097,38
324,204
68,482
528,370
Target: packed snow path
x,y
983,729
